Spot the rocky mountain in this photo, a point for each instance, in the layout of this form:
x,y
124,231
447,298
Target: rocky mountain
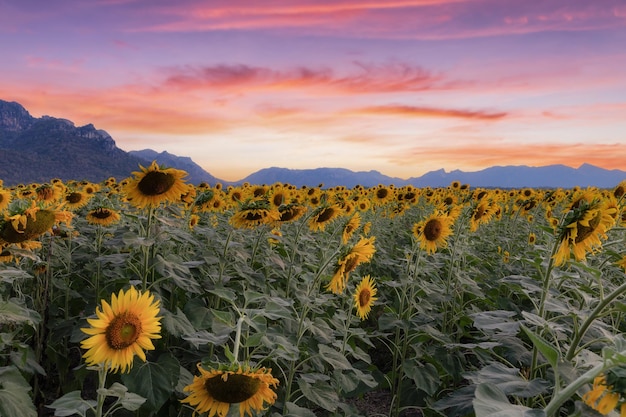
x,y
40,149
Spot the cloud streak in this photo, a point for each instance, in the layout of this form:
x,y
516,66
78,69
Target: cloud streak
x,y
427,112
479,154
370,78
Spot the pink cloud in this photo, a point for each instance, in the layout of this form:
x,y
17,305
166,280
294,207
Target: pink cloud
x,y
394,77
411,19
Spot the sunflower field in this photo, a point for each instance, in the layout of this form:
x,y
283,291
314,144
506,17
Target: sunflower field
x,y
154,297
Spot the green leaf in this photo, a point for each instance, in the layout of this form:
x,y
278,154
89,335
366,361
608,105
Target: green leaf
x,y
173,268
547,350
334,358
224,293
14,398
176,324
204,337
70,404
153,381
320,393
12,313
425,376
294,410
490,401
508,380
128,400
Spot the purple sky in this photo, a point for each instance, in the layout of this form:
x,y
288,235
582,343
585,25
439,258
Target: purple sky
x,y
402,87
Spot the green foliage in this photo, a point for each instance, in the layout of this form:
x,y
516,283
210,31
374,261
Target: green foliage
x,y
485,326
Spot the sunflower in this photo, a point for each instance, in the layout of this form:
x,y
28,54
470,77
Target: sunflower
x,y
364,297
602,398
360,253
434,232
30,223
291,212
532,238
254,214
155,185
193,221
620,190
122,330
381,195
323,216
351,226
213,391
583,227
483,212
103,216
5,199
48,193
75,200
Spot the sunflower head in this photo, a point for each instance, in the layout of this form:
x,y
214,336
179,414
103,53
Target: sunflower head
x,y
155,185
103,216
123,328
254,213
365,296
214,391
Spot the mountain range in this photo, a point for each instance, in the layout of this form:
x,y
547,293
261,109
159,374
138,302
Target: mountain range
x,y
40,149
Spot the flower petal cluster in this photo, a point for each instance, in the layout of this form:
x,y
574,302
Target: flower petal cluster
x,y
215,390
124,328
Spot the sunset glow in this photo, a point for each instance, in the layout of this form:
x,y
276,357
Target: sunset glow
x,y
402,87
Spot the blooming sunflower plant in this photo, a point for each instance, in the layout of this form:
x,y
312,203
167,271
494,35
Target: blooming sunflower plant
x,y
122,330
155,185
215,390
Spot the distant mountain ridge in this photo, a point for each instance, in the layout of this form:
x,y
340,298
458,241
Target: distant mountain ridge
x,y
40,149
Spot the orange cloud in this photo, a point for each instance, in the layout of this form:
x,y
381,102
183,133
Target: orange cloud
x,y
476,156
415,111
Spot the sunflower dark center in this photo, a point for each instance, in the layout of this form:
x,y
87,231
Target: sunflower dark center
x,y
479,213
364,297
382,193
351,263
74,198
288,214
253,216
585,231
530,205
432,229
278,199
619,191
123,331
156,183
235,389
325,215
101,213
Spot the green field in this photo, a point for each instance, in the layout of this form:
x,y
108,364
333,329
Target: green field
x,y
154,297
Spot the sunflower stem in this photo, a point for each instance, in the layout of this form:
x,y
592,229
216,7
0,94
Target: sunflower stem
x,y
571,352
238,338
102,377
147,251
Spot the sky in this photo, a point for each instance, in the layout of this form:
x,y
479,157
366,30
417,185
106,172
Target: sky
x,y
402,87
